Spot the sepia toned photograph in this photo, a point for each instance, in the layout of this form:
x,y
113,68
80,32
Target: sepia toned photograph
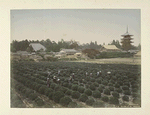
x,y
75,58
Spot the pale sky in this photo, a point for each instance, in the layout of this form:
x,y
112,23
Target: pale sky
x,y
83,25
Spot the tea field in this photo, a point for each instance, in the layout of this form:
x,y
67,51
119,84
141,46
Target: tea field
x,y
120,88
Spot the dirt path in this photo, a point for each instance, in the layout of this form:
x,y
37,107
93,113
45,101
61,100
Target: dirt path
x,y
28,105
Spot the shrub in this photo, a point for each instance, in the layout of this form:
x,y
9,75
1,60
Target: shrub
x,y
50,95
92,80
125,98
114,78
63,89
117,85
111,88
90,101
47,91
100,89
68,92
65,101
110,84
83,98
134,95
119,90
81,89
125,87
33,96
98,81
137,101
104,82
115,94
72,105
134,90
39,102
95,84
65,84
105,99
96,94
88,92
127,92
134,86
74,87
37,87
92,87
87,86
42,89
57,96
52,85
113,100
98,104
127,84
75,94
107,91
28,92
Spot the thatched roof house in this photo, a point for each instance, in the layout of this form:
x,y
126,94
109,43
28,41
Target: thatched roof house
x,y
37,46
109,48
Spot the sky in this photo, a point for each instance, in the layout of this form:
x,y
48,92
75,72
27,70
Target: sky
x,y
82,25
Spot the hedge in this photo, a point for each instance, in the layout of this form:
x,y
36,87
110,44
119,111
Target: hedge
x,y
92,87
115,94
83,97
96,94
105,99
65,101
68,92
125,98
107,91
127,92
39,102
81,89
57,96
75,94
74,87
113,100
72,105
88,92
98,104
90,101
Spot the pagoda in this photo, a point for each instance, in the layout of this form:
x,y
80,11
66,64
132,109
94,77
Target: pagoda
x,y
126,41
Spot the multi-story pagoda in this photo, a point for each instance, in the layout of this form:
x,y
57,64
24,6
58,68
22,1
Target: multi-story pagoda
x,y
126,41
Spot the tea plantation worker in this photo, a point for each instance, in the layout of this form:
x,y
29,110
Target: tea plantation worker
x,y
98,74
49,74
48,82
90,74
70,79
73,75
58,81
86,74
58,72
54,79
108,72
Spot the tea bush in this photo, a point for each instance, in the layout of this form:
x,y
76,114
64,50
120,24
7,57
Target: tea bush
x,y
57,96
83,97
75,94
65,101
96,94
105,99
90,101
88,92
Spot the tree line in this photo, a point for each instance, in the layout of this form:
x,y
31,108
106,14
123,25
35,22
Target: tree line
x,y
57,46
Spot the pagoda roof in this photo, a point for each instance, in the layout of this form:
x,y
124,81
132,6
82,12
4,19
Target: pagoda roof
x,y
127,34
